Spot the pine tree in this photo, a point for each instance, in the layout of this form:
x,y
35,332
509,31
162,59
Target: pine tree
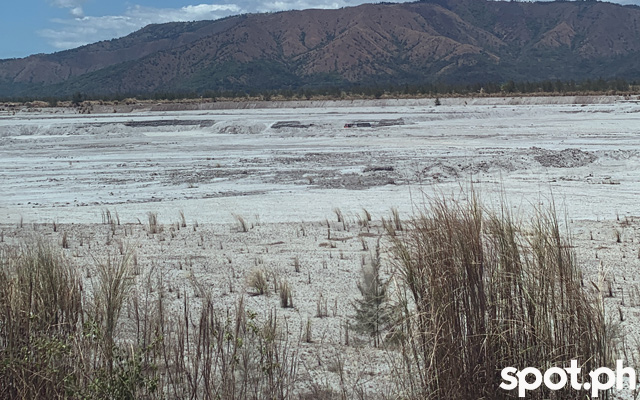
x,y
373,311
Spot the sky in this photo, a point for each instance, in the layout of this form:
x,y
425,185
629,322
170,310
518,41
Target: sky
x,y
46,26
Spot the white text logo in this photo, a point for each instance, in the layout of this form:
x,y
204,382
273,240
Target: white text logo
x,y
556,378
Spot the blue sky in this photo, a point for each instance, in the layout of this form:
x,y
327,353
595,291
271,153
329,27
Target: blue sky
x,y
45,26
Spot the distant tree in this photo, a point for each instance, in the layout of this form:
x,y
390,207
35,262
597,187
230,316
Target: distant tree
x,y
77,98
509,87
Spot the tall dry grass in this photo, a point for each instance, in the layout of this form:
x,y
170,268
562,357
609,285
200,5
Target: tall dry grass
x,y
484,292
41,311
479,292
114,284
59,340
230,355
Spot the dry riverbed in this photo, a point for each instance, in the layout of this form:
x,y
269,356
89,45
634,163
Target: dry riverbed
x,y
284,190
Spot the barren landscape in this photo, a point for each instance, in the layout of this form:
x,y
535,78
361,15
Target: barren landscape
x,y
288,190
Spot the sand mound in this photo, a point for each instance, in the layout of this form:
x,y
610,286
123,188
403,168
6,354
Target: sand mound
x,y
239,127
567,158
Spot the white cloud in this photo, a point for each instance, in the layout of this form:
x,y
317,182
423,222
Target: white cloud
x,y
67,3
188,13
303,4
77,12
80,29
75,6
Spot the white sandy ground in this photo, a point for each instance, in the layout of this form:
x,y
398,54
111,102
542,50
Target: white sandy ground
x,y
218,161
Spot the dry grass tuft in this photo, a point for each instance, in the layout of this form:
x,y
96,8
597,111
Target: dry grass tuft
x,y
286,295
41,303
183,220
395,217
154,226
242,224
322,310
114,282
257,280
65,240
296,264
485,293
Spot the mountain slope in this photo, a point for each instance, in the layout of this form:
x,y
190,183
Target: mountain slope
x,y
439,40
57,67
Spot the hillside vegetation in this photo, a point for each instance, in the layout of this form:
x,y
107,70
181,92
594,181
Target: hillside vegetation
x,y
445,41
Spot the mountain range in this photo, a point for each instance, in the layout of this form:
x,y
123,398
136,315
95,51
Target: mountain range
x,y
451,41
